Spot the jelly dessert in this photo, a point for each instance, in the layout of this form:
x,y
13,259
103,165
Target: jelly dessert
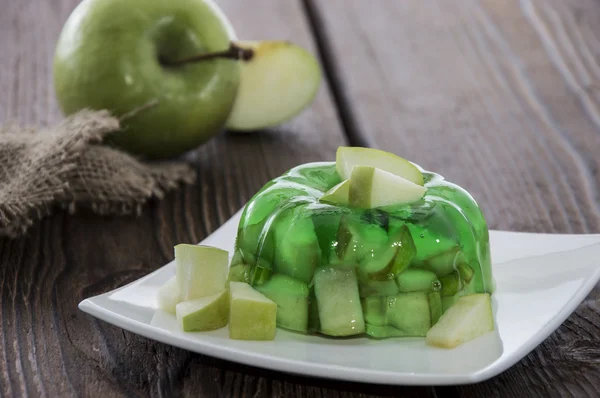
x,y
369,244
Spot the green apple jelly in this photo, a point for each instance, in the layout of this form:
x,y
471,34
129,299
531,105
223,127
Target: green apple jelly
x,y
340,271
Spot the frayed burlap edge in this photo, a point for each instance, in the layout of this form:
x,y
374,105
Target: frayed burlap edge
x,y
64,166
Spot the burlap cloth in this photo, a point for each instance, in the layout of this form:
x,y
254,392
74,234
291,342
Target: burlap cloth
x,y
66,166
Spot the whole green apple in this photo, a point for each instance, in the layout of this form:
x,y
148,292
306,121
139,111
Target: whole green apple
x,y
121,55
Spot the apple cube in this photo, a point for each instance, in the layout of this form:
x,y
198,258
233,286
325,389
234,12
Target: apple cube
x,y
204,313
252,316
200,270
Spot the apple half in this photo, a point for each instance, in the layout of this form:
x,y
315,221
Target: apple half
x,y
279,81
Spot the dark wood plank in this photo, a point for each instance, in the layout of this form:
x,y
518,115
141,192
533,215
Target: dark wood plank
x,y
50,348
502,98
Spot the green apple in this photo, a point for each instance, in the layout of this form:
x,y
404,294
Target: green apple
x,y
169,295
279,81
338,195
348,157
121,55
252,316
372,187
204,313
470,317
200,270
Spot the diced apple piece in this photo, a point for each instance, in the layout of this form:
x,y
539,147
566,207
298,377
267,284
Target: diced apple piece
x,y
204,313
405,314
276,84
371,187
252,316
200,270
348,157
416,279
291,297
368,287
338,195
340,311
298,251
470,317
169,295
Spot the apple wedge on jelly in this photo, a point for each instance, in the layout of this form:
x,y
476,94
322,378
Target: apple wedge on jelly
x,y
372,187
338,195
348,157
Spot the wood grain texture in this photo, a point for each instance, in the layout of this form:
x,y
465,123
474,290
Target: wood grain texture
x,y
503,98
50,348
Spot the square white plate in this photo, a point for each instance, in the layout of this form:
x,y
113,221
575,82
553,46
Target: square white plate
x,y
541,279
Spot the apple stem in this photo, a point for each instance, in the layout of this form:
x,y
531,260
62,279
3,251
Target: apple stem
x,y
233,52
139,109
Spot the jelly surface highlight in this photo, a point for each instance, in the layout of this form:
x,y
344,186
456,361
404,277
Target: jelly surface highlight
x,y
340,271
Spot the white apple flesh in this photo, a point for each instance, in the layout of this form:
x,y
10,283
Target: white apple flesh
x,y
279,81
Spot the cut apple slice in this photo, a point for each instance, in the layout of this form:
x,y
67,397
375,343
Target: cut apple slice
x,y
169,295
277,83
204,313
348,157
200,270
338,195
470,317
252,316
372,187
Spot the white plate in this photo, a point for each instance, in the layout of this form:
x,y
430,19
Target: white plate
x,y
541,279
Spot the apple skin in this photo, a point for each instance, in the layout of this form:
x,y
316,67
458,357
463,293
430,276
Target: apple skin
x,y
108,57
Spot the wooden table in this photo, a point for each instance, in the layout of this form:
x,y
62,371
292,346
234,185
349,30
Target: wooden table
x,y
502,97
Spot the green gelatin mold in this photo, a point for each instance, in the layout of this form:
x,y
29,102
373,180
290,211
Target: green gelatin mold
x,y
339,270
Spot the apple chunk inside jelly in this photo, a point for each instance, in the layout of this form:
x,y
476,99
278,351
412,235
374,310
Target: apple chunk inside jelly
x,y
406,264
